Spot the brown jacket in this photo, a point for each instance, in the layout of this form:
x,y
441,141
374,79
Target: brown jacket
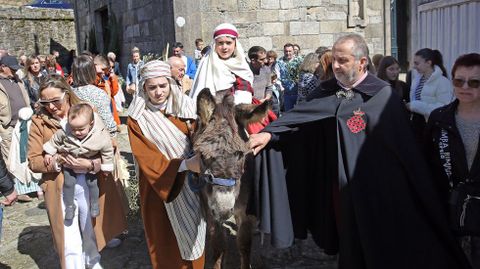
x,y
111,221
5,109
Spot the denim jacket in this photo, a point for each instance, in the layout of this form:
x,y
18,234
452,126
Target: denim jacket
x,y
133,74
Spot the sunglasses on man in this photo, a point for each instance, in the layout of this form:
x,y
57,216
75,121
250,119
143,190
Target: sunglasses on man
x,y
472,83
55,102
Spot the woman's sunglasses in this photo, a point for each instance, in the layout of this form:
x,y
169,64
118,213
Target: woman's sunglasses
x,y
55,102
472,83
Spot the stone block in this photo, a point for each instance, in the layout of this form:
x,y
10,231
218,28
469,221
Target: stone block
x,y
302,13
289,15
144,14
144,29
222,5
128,18
375,12
240,17
268,15
335,15
279,41
304,28
374,30
128,33
157,26
263,41
374,19
339,2
288,4
326,40
210,20
333,26
273,28
377,43
245,43
308,42
310,13
251,29
270,4
309,3
245,5
136,30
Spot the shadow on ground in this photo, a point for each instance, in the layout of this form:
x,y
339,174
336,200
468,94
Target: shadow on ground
x,y
37,242
4,266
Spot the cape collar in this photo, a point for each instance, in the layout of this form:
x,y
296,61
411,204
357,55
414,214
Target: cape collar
x,y
369,86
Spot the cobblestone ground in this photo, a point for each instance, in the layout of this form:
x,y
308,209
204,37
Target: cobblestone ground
x,y
27,242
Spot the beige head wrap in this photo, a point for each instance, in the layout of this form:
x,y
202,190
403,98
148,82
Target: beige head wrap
x,y
178,104
219,74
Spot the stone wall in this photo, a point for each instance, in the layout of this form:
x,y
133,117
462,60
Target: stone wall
x,y
272,23
150,24
27,30
14,3
146,24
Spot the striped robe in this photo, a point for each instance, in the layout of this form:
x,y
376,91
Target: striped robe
x,y
159,182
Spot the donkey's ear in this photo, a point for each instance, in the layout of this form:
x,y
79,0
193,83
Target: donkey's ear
x,y
247,114
205,105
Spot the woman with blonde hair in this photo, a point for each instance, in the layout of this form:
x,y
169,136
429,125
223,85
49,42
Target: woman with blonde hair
x,y
307,81
77,241
34,75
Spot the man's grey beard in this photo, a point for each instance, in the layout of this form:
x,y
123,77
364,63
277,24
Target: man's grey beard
x,y
347,79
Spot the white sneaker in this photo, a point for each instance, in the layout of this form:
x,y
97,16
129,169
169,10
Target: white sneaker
x,y
115,242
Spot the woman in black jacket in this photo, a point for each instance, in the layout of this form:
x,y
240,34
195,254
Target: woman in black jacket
x,y
453,134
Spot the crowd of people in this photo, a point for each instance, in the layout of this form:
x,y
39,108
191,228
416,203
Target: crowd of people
x,y
390,167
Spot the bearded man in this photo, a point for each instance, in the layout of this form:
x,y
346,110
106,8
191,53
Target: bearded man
x,y
356,179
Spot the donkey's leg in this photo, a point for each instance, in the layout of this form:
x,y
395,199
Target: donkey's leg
x,y
218,244
244,238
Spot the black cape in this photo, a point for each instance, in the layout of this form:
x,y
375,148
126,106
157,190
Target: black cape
x,y
368,196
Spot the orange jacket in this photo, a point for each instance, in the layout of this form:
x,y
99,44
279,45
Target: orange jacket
x,y
110,86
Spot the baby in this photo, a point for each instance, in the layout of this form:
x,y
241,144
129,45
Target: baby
x,y
83,136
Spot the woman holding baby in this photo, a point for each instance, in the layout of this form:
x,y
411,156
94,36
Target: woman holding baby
x,y
78,240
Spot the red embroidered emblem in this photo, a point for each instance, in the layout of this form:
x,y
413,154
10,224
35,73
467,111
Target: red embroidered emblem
x,y
356,123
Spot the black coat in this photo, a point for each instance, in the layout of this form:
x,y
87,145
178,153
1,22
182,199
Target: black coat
x,y
443,118
367,195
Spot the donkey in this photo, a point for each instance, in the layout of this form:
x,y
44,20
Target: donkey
x,y
222,142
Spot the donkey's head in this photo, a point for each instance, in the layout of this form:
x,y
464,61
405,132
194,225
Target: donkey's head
x,y
221,140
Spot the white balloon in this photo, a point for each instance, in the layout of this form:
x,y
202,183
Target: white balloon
x,y
180,21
